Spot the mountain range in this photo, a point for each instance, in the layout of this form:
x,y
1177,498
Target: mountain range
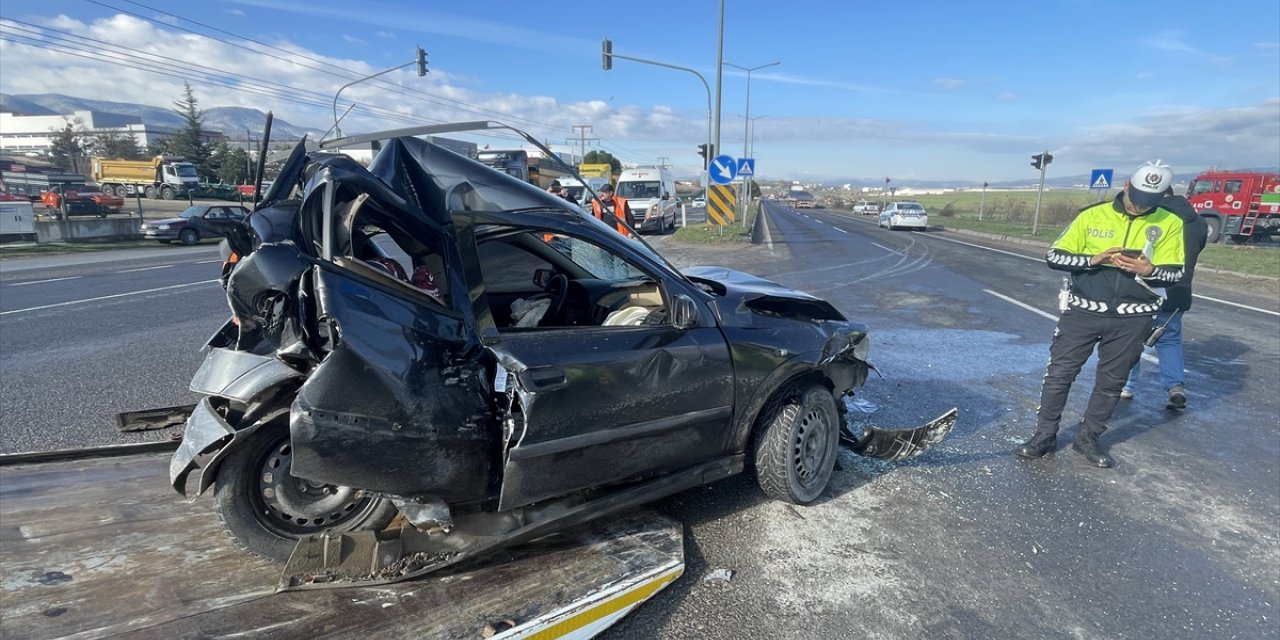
x,y
230,121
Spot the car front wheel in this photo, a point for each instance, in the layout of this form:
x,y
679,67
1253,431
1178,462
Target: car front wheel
x,y
796,443
266,509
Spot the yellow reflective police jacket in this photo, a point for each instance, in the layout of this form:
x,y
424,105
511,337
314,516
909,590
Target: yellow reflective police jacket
x,y
1106,289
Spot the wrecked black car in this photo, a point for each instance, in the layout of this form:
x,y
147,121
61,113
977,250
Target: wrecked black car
x,y
432,338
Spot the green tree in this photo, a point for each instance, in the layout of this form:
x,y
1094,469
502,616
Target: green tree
x,y
116,145
229,164
189,141
67,149
596,156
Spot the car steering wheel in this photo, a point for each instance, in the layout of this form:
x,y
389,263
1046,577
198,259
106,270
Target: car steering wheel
x,y
558,289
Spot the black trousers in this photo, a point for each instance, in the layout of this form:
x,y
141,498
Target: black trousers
x,y
1119,344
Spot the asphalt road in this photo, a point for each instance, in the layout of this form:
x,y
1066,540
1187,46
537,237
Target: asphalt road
x,y
1178,541
87,336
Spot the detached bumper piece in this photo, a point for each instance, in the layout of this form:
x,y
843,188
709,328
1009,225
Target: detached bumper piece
x,y
900,444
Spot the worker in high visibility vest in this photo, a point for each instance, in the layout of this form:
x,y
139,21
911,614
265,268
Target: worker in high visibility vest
x,y
609,207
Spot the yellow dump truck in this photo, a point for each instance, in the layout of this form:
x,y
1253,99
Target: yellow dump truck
x,y
165,177
601,170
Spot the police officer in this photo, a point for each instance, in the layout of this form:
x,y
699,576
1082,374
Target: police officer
x,y
1117,253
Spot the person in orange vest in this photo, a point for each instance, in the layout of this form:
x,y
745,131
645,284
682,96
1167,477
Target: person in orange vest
x,y
607,204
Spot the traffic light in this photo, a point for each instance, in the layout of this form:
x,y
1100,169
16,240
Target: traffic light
x,y
606,54
422,62
707,151
1041,160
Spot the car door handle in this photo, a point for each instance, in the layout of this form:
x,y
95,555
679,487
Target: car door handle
x,y
540,378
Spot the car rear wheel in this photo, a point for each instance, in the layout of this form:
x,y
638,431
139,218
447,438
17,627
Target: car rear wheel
x,y
167,193
189,237
266,510
797,437
150,192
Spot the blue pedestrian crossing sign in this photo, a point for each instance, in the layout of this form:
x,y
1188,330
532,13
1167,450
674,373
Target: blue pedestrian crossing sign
x,y
722,169
1100,179
746,166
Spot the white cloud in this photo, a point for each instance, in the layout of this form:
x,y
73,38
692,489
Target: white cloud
x,y
1006,96
235,12
352,40
386,35
1144,75
949,84
1267,45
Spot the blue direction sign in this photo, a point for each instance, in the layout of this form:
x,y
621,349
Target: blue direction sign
x,y
723,169
746,166
1100,179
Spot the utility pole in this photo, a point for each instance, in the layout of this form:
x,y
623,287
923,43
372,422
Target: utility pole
x,y
582,138
662,162
982,204
719,76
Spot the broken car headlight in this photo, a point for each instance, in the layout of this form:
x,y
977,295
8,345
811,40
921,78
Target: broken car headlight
x,y
862,348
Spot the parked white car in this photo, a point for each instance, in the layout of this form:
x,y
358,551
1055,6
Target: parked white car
x,y
866,207
905,214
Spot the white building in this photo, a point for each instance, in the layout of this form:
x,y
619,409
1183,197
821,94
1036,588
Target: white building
x,y
35,134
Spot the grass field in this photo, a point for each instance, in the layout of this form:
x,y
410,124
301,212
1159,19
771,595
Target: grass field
x,y
1010,213
707,233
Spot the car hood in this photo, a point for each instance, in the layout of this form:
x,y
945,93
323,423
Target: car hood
x,y
738,293
168,221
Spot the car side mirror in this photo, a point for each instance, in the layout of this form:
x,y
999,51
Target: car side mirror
x,y
684,312
666,196
542,277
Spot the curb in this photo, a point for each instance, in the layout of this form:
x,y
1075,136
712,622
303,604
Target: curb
x,y
1037,243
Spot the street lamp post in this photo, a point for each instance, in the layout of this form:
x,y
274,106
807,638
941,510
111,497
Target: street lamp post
x,y
745,134
746,129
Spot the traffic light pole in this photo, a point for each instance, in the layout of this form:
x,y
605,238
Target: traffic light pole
x,y
420,60
609,55
1044,164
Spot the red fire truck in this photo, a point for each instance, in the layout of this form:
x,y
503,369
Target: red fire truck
x,y
1241,205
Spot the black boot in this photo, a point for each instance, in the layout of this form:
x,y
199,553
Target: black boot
x,y
1037,446
1086,444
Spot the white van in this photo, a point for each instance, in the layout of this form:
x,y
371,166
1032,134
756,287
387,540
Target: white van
x,y
578,189
651,193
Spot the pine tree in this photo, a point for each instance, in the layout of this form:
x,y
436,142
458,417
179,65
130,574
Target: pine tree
x,y
189,141
67,149
115,145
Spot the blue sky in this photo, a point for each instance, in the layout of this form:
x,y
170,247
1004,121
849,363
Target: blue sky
x,y
923,90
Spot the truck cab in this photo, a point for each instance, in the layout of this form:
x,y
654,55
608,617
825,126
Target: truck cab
x,y
1237,204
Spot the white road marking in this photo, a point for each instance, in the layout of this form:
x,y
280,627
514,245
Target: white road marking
x,y
1023,305
117,295
207,262
163,266
838,229
1194,295
1145,356
885,248
23,284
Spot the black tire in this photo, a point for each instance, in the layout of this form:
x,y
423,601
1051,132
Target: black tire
x,y
265,510
798,434
149,192
1215,229
166,193
189,237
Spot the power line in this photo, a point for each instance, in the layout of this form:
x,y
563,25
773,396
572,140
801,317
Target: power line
x,y
327,68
